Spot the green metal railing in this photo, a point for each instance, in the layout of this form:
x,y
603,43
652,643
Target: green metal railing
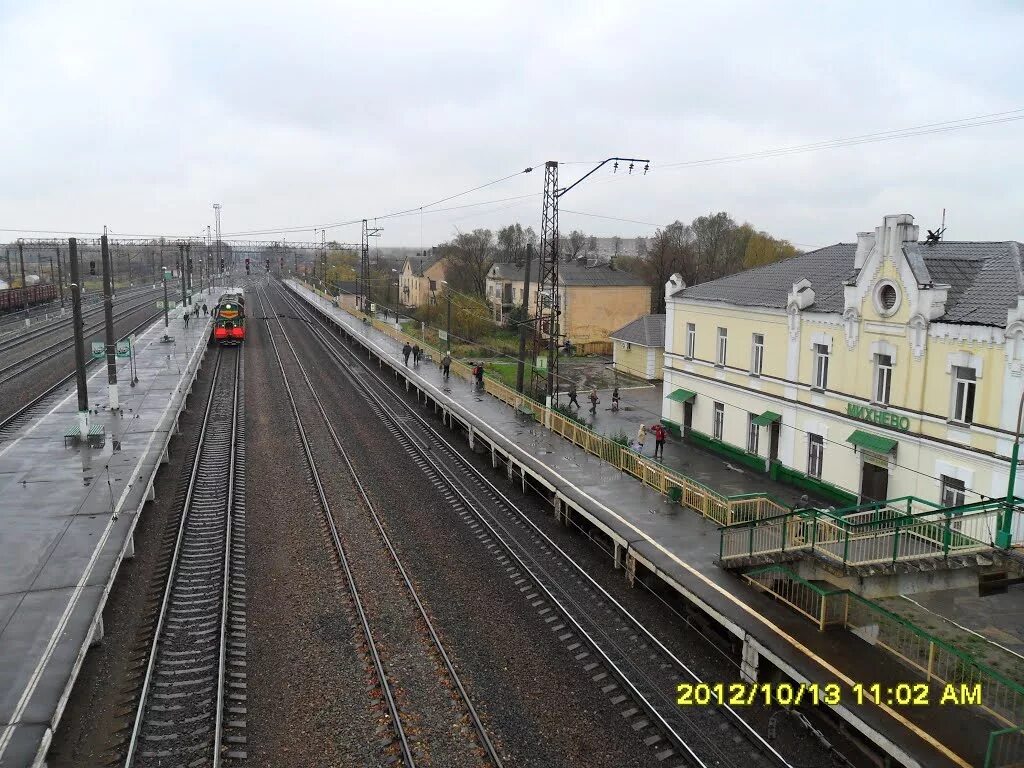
x,y
938,662
898,530
1005,748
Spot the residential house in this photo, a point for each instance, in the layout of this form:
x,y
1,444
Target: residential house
x,y
884,368
419,280
638,348
594,299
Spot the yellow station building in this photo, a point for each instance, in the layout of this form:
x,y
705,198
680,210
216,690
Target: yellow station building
x,y
860,371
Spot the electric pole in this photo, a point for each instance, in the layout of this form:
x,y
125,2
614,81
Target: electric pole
x,y
216,220
181,271
78,325
548,288
60,279
364,266
524,324
24,285
108,314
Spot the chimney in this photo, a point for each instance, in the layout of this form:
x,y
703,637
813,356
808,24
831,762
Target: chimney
x,y
865,242
896,230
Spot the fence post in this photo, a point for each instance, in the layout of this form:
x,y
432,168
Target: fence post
x,y
896,542
784,520
751,551
931,660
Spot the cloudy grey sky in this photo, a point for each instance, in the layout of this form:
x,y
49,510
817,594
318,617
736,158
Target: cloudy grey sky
x,y
139,115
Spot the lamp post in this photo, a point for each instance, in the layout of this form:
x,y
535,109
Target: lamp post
x,y
448,333
1004,534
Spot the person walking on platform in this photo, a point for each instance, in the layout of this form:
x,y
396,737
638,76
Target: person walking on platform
x,y
593,400
478,373
641,438
615,398
406,351
416,352
205,310
446,364
660,433
572,395
187,316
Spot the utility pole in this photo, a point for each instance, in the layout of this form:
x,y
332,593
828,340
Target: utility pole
x,y
24,285
323,258
108,314
209,256
181,271
524,325
60,279
364,266
163,275
188,270
79,330
7,255
216,220
548,288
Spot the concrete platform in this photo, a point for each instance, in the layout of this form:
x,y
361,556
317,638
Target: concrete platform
x,y
680,548
66,522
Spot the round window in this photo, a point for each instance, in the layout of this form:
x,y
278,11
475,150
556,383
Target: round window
x,y
887,298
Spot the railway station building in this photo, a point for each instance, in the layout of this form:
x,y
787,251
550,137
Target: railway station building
x,y
861,371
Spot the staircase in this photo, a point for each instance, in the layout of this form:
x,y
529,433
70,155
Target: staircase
x,y
899,536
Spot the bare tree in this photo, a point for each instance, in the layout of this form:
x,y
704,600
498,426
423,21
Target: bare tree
x,y
470,256
572,245
592,244
512,241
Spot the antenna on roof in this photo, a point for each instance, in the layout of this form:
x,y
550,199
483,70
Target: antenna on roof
x,y
935,236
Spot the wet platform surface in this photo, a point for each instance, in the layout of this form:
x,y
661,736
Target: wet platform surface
x,y
66,519
682,546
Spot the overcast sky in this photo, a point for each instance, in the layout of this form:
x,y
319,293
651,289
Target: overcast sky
x,y
139,116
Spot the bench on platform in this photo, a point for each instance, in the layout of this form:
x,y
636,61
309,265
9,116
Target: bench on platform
x,y
96,437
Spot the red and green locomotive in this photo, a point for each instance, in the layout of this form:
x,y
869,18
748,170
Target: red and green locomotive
x,y
229,319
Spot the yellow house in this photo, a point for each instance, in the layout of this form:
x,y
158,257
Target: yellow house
x,y
420,280
639,348
594,299
878,369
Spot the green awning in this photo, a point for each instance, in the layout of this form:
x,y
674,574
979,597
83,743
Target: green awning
x,y
682,395
876,443
765,418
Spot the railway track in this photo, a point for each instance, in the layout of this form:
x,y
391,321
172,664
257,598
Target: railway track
x,y
16,339
38,357
426,701
23,414
632,668
191,704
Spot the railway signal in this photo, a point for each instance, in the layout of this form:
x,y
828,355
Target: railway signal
x,y
92,268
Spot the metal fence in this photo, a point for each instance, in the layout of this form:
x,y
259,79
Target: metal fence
x,y
957,672
882,535
1005,748
724,510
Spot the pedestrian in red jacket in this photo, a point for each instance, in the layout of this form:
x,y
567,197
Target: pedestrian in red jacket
x,y
660,433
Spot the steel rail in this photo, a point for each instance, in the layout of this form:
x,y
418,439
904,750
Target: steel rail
x,y
485,739
430,456
7,421
59,346
14,340
378,663
194,477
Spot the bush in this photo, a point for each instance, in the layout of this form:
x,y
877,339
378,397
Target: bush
x,y
621,438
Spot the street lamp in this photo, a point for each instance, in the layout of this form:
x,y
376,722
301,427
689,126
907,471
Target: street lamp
x,y
448,333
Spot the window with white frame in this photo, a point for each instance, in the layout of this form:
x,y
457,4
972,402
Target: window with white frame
x,y
821,366
964,383
953,492
883,379
753,432
719,421
757,354
723,341
815,455
691,339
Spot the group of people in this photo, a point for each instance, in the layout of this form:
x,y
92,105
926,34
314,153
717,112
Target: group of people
x,y
658,430
195,311
416,353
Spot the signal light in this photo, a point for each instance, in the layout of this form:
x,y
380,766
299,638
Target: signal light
x,y
92,267
222,265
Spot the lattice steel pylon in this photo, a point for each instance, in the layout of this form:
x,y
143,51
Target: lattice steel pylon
x,y
547,283
364,266
548,288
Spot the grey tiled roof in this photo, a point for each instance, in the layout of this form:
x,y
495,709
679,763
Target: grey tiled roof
x,y
647,331
983,279
570,274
